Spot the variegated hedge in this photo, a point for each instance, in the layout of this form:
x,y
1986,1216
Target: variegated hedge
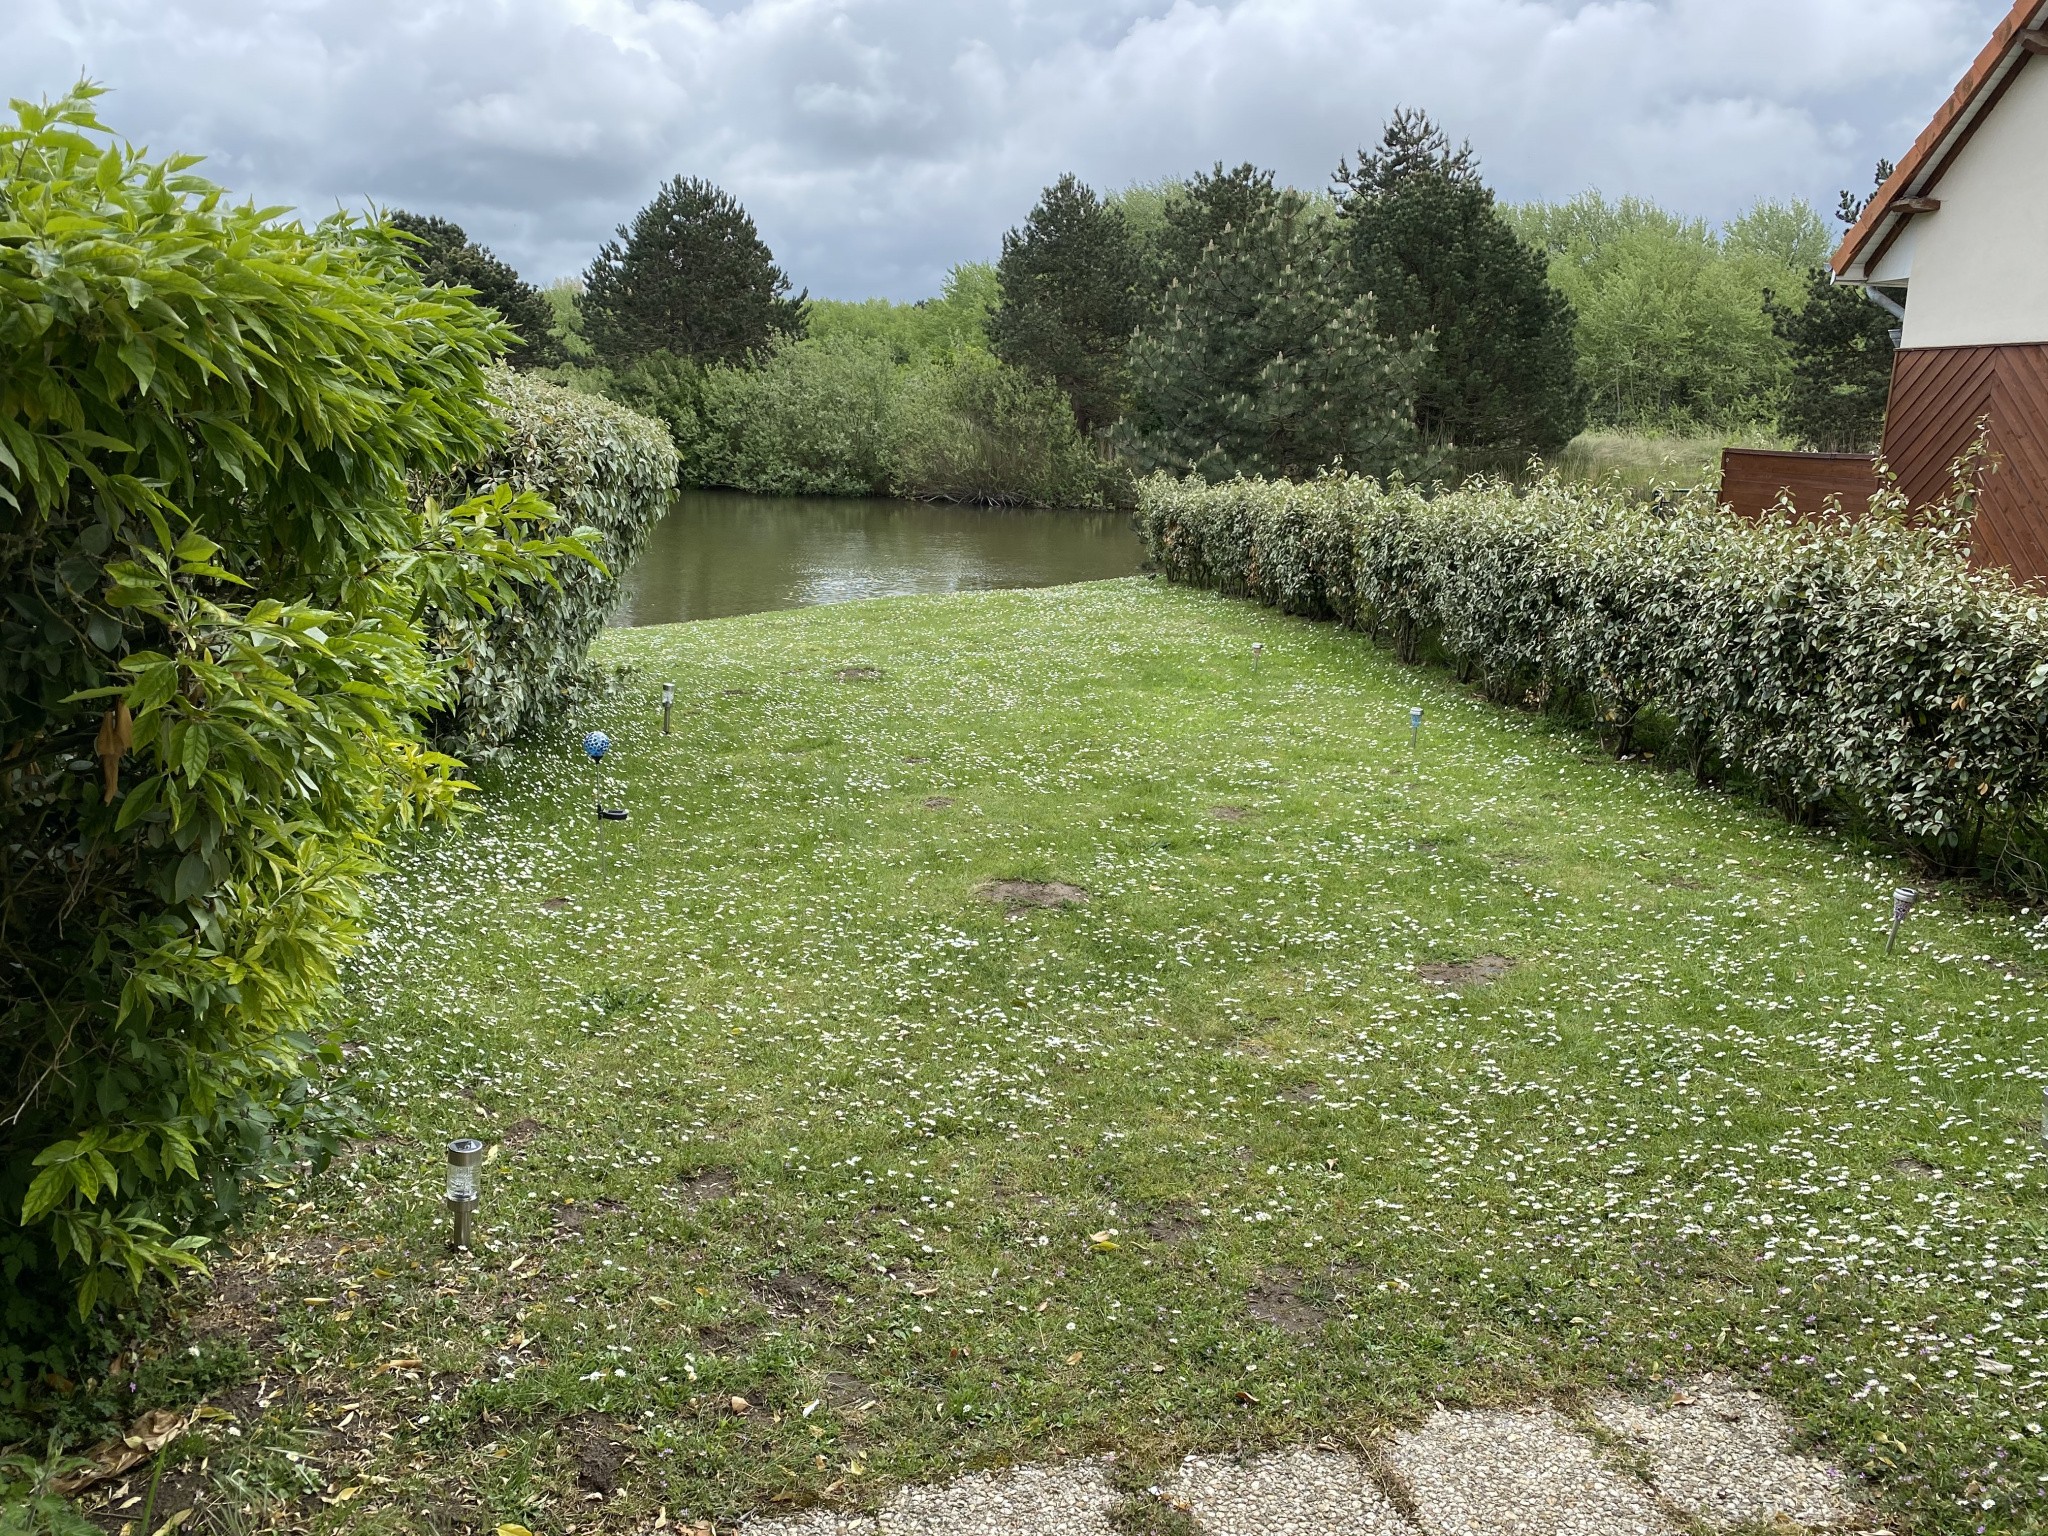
x,y
1855,667
609,474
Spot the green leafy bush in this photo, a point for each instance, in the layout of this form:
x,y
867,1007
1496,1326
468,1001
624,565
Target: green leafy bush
x,y
1858,667
838,415
225,627
975,430
609,474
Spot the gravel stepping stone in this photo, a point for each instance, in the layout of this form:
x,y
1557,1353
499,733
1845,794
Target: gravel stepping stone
x,y
1287,1493
1070,1500
1517,1472
812,1522
1724,1456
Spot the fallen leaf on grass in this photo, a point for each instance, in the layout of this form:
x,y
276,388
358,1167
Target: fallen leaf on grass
x,y
396,1365
741,1406
509,1529
110,1458
1074,1358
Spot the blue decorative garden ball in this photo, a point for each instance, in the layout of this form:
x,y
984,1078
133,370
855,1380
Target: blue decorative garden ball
x,y
597,744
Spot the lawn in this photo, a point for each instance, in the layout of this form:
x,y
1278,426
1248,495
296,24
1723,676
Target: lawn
x,y
1366,1077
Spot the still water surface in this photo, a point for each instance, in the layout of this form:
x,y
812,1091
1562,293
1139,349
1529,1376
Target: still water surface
x,y
721,553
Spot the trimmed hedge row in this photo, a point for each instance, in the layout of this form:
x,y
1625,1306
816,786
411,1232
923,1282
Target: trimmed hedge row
x,y
1856,667
609,473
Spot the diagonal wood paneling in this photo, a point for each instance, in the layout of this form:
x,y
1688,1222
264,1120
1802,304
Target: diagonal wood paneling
x,y
1937,396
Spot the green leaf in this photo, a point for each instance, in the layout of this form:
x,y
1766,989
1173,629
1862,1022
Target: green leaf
x,y
193,877
45,1192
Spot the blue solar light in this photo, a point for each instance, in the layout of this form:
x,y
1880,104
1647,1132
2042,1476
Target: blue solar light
x,y
597,744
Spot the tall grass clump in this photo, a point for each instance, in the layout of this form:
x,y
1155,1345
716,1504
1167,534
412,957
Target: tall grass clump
x,y
1845,668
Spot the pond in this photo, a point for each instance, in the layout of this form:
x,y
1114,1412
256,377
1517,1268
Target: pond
x,y
721,553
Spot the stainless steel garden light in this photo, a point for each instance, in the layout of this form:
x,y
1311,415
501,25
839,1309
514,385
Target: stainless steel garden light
x,y
465,1172
1414,724
668,699
1258,650
1902,903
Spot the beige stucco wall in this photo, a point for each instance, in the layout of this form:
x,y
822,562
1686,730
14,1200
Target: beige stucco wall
x,y
1980,263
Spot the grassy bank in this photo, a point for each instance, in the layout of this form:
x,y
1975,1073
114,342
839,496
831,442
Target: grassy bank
x,y
1364,1078
1643,461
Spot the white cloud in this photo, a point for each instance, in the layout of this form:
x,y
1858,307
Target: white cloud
x,y
878,141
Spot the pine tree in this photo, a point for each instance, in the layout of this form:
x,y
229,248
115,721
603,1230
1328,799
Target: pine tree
x,y
1069,283
1841,345
1428,243
443,254
1197,213
1263,362
690,276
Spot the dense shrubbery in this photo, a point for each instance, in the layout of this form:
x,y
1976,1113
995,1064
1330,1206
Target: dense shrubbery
x,y
226,627
1856,667
838,415
608,474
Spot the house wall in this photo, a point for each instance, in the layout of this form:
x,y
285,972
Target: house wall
x,y
1938,396
1980,263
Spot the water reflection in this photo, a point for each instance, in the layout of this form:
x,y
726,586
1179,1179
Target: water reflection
x,y
720,553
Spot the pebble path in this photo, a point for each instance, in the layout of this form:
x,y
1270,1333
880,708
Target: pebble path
x,y
1707,1455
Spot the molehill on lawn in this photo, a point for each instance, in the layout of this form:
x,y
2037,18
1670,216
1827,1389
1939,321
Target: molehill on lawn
x,y
1014,1027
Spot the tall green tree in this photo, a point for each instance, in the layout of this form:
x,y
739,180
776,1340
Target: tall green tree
x,y
1842,349
690,276
1267,361
1672,328
1428,243
445,256
1069,282
1197,212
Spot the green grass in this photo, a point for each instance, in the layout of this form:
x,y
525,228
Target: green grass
x,y
790,1114
1646,461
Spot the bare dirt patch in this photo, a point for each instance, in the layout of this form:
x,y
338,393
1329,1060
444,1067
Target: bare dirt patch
x,y
797,1293
1176,1224
849,1393
1916,1167
600,1453
521,1133
1304,1093
1228,812
556,904
708,1184
937,802
858,674
1276,1303
1480,971
1031,893
574,1218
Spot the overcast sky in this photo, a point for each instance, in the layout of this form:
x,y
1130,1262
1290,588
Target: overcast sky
x,y
876,142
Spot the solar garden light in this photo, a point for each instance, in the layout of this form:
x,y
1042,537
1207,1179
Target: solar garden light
x,y
1902,903
1258,650
465,1168
595,745
1414,725
668,699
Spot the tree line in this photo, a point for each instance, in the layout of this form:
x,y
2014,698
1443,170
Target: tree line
x,y
1403,320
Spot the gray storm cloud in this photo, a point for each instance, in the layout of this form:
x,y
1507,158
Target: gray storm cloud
x,y
879,141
